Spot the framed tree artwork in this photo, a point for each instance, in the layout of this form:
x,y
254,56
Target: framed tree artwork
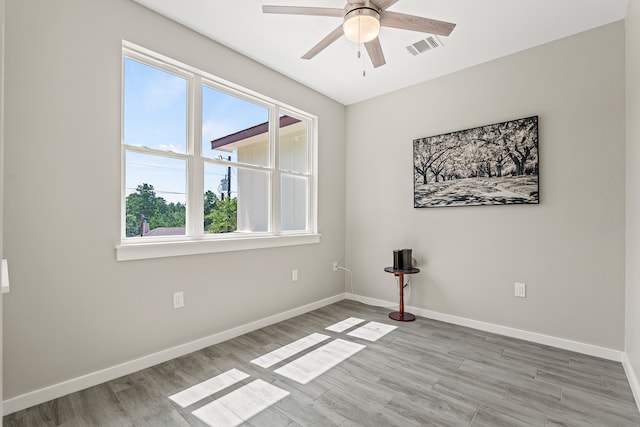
x,y
489,165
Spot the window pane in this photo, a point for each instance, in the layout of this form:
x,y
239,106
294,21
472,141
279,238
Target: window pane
x,y
235,199
155,195
293,144
155,108
220,199
294,203
233,127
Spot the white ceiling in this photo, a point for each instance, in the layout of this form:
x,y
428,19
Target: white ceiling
x,y
486,29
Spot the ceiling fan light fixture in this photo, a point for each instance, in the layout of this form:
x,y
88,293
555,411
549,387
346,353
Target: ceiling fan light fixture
x,y
361,24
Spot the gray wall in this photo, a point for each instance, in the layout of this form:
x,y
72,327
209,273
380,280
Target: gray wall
x,y
632,341
569,249
73,309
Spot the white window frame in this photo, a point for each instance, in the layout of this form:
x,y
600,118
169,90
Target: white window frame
x,y
196,241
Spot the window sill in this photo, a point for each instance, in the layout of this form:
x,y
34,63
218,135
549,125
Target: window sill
x,y
147,250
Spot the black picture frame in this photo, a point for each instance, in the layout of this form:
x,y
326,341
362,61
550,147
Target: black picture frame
x,y
496,164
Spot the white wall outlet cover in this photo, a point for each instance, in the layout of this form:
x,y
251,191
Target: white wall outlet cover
x,y
4,276
520,290
178,299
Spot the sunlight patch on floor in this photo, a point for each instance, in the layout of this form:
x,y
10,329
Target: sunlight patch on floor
x,y
372,331
238,406
247,400
207,388
289,350
319,361
345,324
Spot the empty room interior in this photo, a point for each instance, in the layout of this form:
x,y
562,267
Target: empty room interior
x,y
415,213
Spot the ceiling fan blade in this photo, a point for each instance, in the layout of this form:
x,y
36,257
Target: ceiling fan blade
x,y
374,49
333,36
416,23
385,4
302,10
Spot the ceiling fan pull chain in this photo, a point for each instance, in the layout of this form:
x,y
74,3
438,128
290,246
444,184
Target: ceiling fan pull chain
x,y
363,62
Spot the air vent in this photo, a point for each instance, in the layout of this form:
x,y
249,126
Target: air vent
x,y
424,45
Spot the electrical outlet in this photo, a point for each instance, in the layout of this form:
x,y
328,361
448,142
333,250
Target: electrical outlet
x,y
335,265
178,299
294,275
520,290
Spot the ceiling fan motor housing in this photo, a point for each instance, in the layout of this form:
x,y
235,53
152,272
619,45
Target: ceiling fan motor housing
x,y
361,23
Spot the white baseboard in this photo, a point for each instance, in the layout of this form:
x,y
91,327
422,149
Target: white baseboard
x,y
80,383
591,350
632,377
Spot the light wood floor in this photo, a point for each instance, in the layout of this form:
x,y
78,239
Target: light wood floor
x,y
424,373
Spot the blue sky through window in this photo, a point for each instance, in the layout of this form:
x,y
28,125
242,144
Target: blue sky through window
x,y
156,116
224,114
155,108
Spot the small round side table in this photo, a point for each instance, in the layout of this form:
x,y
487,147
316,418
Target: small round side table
x,y
401,316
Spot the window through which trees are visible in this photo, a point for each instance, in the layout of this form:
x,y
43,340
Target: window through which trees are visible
x,y
204,159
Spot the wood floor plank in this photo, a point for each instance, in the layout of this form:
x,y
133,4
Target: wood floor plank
x,y
433,409
358,408
423,373
596,365
99,406
145,404
537,360
583,382
477,393
489,417
535,396
608,411
306,411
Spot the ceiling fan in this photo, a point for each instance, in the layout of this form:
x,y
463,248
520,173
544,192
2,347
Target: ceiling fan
x,y
362,20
